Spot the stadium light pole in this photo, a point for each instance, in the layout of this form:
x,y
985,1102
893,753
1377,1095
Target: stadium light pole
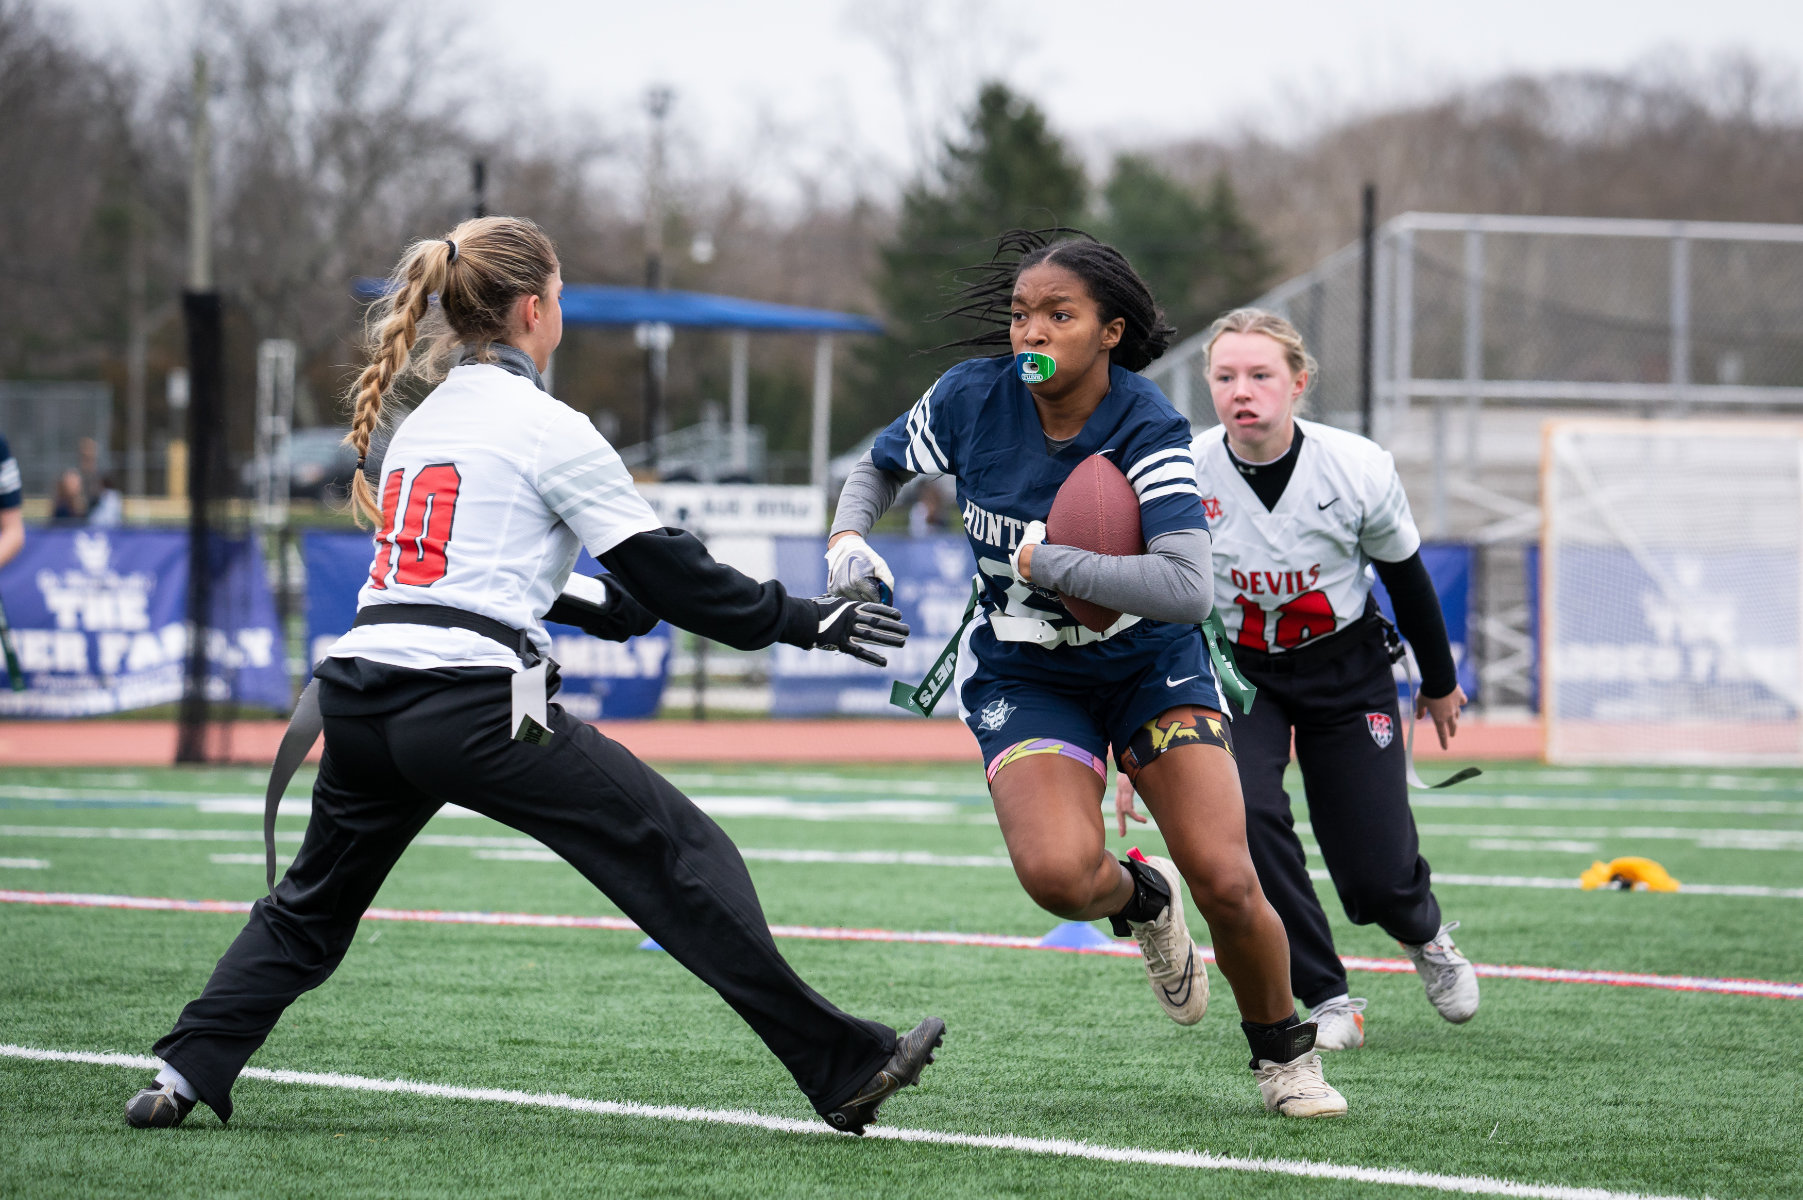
x,y
478,187
202,312
655,339
1367,305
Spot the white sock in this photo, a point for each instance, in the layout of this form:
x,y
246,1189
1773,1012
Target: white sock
x,y
170,1077
1331,1000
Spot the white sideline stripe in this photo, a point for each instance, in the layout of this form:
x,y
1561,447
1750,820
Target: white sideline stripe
x,y
1197,1160
248,860
1769,988
24,864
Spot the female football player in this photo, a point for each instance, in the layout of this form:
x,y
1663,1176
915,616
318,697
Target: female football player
x,y
1047,697
437,694
1300,512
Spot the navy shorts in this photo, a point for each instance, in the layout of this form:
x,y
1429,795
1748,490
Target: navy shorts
x,y
1079,700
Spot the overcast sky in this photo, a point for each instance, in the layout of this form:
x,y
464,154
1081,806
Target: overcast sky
x,y
825,77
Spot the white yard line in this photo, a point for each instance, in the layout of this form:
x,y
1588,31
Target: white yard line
x,y
24,864
524,849
1535,881
1768,988
1197,1160
1652,804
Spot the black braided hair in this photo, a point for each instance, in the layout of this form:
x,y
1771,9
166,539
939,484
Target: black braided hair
x,y
988,292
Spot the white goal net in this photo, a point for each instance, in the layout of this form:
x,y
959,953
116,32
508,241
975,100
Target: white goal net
x,y
1671,592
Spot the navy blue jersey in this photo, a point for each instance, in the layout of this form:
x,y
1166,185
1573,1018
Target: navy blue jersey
x,y
979,425
12,492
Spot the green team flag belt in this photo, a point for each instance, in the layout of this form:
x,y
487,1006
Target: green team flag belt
x,y
920,699
1234,685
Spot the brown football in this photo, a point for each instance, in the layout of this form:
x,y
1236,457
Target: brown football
x,y
1095,509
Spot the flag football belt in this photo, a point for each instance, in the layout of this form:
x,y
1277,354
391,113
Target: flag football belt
x,y
307,723
1400,652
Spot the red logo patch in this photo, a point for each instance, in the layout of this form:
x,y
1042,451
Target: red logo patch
x,y
1211,508
1383,731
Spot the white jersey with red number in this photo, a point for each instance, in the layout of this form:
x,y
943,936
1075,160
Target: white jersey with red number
x,y
1287,576
486,490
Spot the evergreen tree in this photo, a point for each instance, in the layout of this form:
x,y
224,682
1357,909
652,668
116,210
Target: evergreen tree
x,y
1200,257
1007,169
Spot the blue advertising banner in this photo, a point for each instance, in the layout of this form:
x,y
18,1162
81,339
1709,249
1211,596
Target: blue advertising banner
x,y
1449,565
932,586
99,620
600,679
1634,637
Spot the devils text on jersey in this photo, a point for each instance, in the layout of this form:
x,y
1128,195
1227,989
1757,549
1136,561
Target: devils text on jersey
x,y
1301,570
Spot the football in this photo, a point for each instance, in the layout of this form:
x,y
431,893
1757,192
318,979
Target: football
x,y
1095,509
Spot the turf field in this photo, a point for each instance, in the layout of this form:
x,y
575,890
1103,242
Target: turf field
x,y
1555,1089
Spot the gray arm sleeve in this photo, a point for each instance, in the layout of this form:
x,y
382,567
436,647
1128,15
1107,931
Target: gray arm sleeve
x,y
1172,581
869,491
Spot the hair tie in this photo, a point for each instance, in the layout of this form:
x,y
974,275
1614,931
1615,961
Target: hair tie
x,y
360,462
453,246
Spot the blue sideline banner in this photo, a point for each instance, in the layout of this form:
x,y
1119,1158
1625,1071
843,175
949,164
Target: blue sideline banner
x,y
600,679
99,620
1449,565
932,585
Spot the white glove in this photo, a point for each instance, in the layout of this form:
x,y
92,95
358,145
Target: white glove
x,y
1033,535
856,572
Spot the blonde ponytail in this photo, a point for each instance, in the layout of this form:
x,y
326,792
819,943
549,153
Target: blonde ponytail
x,y
477,271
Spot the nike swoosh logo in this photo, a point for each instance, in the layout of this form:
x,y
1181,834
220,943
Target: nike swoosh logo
x,y
1329,504
1169,682
1181,997
834,615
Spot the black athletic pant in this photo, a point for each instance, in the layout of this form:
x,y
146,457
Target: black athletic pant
x,y
398,745
1358,799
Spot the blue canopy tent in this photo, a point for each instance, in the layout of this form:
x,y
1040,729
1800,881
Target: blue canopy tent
x,y
655,313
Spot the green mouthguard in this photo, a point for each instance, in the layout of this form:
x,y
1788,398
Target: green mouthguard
x,y
1034,367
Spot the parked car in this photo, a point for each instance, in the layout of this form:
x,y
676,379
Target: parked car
x,y
320,466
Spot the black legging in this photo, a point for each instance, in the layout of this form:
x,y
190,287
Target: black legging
x,y
387,769
1358,799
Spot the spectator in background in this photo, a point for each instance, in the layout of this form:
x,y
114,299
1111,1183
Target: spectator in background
x,y
70,506
12,495
109,505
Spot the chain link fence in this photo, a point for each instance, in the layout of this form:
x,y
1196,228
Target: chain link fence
x,y
1483,327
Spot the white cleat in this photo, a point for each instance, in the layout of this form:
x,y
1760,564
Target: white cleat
x,y
1339,1023
1173,964
1448,976
1297,1088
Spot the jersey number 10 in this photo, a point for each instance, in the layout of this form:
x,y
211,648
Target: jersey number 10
x,y
1307,616
424,533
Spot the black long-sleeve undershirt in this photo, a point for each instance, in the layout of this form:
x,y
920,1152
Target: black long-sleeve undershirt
x,y
1419,619
669,574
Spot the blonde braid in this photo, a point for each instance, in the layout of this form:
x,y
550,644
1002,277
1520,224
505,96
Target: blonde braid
x,y
423,271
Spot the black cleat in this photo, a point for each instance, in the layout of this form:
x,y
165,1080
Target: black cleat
x,y
157,1107
913,1051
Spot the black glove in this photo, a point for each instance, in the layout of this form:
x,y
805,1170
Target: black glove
x,y
601,608
849,626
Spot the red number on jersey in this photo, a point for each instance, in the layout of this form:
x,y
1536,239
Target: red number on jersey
x,y
1307,616
431,503
1252,624
424,533
391,502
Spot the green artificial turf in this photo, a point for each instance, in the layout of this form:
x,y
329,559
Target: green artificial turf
x,y
1554,1084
